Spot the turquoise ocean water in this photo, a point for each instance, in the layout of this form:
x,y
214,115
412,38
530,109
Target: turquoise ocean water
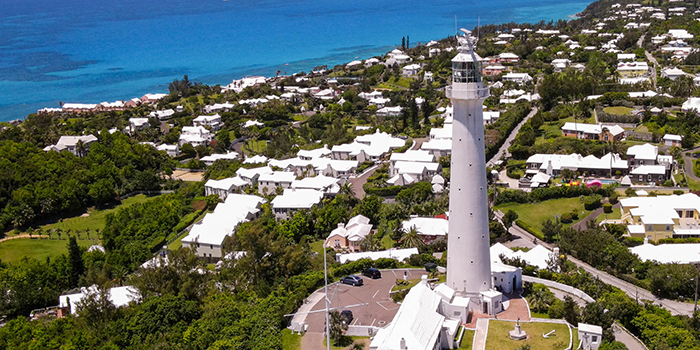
x,y
92,51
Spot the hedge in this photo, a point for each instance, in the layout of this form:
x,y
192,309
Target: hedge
x,y
607,208
543,194
529,229
384,191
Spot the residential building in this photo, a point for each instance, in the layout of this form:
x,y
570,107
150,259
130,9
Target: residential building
x,y
164,114
292,199
520,78
212,121
268,183
428,228
673,140
171,150
438,147
224,187
349,236
672,73
208,234
77,145
627,70
195,135
655,218
646,165
493,70
210,159
252,175
554,164
491,117
597,132
591,336
411,69
118,296
325,184
419,156
507,57
420,171
152,98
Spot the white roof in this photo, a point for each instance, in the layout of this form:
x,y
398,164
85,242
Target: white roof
x,y
358,227
401,180
590,328
649,169
319,182
250,123
255,160
398,254
278,176
413,156
632,66
646,151
415,168
251,173
444,133
441,145
668,253
537,256
293,198
215,226
79,105
119,296
659,210
417,322
672,137
207,118
161,114
427,226
226,184
65,141
592,128
214,157
314,153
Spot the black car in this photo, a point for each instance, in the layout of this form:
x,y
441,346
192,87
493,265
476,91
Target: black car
x,y
353,280
346,315
372,273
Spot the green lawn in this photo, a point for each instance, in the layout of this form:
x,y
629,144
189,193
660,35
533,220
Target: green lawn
x,y
387,242
619,110
616,214
590,120
290,341
533,214
14,250
255,146
551,129
467,339
96,219
538,314
498,338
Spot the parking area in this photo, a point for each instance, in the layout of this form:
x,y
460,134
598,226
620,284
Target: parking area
x,y
380,309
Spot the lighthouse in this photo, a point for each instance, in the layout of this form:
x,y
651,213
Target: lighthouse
x,y
468,257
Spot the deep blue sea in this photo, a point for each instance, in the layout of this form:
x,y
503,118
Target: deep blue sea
x,y
93,51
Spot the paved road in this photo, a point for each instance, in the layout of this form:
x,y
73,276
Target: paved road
x,y
675,307
418,142
689,161
630,341
650,58
504,148
358,183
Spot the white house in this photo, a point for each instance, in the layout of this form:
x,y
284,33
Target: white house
x,y
138,124
520,78
293,199
70,143
252,175
195,135
419,156
672,73
224,187
438,147
171,150
118,296
672,140
428,228
411,69
210,159
164,114
208,234
212,121
349,236
268,183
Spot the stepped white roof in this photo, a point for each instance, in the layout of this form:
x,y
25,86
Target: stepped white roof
x,y
215,226
278,176
293,198
427,226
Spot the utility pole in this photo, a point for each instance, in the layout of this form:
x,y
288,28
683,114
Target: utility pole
x,y
325,286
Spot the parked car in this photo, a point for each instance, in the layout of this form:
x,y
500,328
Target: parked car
x,y
346,315
372,273
353,280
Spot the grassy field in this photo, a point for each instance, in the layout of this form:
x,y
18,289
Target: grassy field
x,y
619,110
255,146
467,339
534,214
590,120
538,314
96,219
290,341
14,250
616,214
551,129
498,338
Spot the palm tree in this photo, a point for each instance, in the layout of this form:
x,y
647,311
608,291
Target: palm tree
x,y
80,149
411,239
538,299
347,190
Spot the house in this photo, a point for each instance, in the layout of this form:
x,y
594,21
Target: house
x,y
520,78
593,131
675,253
216,107
419,156
349,236
680,34
626,57
444,133
152,98
208,234
252,175
438,147
629,70
691,104
490,117
672,73
418,170
224,187
239,85
259,159
77,145
268,183
164,114
428,77
367,147
560,64
118,296
646,165
428,228
389,111
78,107
554,164
590,336
212,121
319,182
493,70
672,140
171,150
292,200
210,159
195,135
138,124
411,69
507,57
393,253
655,218
401,180
314,153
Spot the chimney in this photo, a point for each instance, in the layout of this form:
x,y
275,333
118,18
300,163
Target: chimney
x,y
341,225
403,344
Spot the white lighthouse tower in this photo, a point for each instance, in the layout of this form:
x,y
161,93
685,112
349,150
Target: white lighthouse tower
x,y
468,257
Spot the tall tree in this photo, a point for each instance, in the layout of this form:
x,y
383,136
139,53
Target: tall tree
x,y
75,260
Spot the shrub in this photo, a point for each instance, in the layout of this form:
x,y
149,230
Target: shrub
x,y
592,202
607,208
529,229
566,218
574,214
668,183
678,192
614,198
